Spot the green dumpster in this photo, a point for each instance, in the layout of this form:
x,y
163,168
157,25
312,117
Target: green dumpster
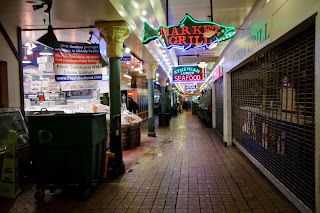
x,y
68,149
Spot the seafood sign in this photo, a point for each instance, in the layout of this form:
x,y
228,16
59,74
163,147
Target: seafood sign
x,y
188,34
184,74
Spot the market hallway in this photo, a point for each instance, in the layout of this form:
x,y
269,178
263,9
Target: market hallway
x,y
186,169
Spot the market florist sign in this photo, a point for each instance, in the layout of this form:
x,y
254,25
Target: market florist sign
x,y
78,62
188,34
185,74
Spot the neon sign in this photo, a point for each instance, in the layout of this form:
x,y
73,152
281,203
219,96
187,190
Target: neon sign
x,y
185,74
191,87
188,34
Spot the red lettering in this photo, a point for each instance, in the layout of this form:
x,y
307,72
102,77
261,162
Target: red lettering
x,y
197,41
185,30
196,30
205,40
174,31
173,38
216,28
206,29
190,40
183,78
164,31
182,39
176,78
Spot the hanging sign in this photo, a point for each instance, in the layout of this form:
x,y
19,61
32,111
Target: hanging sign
x,y
77,62
191,87
188,34
197,60
185,74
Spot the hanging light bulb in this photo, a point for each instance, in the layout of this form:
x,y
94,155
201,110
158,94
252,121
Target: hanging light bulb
x,y
45,52
89,40
26,60
29,52
127,50
127,74
144,12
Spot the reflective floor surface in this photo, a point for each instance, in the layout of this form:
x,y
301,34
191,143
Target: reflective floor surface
x,y
186,169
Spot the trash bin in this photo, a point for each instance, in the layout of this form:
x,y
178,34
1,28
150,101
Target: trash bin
x,y
68,149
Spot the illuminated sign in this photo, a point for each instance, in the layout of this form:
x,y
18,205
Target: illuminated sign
x,y
185,74
191,87
188,34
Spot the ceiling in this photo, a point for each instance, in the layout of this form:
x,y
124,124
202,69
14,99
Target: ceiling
x,y
84,13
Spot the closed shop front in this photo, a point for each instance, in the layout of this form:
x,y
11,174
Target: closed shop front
x,y
219,105
273,112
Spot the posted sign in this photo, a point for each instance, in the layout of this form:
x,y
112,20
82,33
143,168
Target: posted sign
x,y
188,74
78,62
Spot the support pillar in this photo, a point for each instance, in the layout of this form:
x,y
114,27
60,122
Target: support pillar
x,y
114,33
150,69
162,119
169,87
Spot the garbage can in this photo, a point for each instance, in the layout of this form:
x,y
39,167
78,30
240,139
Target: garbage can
x,y
68,149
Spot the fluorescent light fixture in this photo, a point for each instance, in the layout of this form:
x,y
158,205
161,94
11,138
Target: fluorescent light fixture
x,y
144,12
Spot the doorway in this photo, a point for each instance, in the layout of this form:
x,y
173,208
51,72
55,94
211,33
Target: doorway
x,y
4,97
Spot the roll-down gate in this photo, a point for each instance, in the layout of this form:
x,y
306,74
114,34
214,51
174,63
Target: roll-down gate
x,y
219,105
273,112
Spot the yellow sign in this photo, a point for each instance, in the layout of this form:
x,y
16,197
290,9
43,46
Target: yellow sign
x,y
197,60
9,185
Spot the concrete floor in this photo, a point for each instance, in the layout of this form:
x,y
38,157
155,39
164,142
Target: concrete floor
x,y
186,169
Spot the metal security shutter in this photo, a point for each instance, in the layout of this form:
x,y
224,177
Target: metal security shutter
x,y
219,105
273,112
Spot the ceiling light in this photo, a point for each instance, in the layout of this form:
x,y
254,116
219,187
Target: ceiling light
x,y
127,74
127,50
29,52
26,60
202,64
157,74
213,46
45,52
49,39
144,12
37,6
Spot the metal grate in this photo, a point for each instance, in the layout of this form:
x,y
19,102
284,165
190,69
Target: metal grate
x,y
273,112
219,105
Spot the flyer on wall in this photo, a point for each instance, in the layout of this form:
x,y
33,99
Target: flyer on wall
x,y
77,62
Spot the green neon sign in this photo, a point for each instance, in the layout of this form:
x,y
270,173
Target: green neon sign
x,y
188,34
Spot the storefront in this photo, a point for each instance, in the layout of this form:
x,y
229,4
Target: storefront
x,y
270,97
218,85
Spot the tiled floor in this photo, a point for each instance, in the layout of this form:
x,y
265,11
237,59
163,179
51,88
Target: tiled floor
x,y
187,169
